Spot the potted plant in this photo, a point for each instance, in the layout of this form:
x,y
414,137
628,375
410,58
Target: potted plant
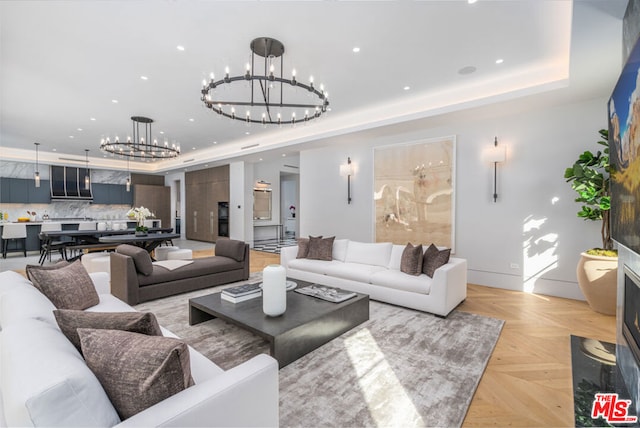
x,y
597,269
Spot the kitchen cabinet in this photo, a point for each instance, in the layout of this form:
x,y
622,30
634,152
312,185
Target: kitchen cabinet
x,y
115,194
156,198
205,189
23,190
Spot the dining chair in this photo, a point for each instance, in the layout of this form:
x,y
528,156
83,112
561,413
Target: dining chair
x,y
14,232
48,245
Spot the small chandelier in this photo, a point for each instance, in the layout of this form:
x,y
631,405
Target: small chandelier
x,y
142,146
266,92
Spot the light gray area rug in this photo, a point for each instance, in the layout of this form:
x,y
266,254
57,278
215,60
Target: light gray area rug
x,y
402,368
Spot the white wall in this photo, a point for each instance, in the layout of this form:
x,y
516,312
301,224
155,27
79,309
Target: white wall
x,y
529,240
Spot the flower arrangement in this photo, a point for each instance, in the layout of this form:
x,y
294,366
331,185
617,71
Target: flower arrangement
x,y
140,214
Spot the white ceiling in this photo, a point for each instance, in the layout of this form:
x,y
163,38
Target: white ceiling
x,y
63,62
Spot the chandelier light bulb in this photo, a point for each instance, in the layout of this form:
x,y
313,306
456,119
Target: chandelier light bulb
x,y
204,83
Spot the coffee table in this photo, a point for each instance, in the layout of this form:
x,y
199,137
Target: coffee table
x,y
307,324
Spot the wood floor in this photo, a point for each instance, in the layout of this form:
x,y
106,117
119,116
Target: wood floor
x,y
528,379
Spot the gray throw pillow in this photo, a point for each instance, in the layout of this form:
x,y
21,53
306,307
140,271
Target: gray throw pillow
x,y
303,248
70,321
141,259
136,370
434,258
320,248
68,286
411,261
231,248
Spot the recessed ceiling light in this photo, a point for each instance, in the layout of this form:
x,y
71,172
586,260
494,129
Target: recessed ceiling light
x,y
191,120
284,155
260,159
193,148
180,47
144,77
471,1
55,150
406,88
71,136
114,101
356,49
247,133
499,61
79,129
93,119
162,132
215,142
467,70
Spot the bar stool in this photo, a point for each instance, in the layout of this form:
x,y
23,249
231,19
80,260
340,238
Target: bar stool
x,y
48,245
14,232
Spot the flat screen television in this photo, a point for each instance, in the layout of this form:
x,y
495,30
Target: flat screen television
x,y
624,152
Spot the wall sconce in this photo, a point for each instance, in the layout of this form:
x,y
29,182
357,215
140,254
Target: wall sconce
x,y
348,170
36,175
262,186
497,154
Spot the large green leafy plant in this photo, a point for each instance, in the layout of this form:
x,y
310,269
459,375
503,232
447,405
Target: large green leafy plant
x,y
589,176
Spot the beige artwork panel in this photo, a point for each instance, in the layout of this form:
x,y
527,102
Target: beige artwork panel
x,y
414,192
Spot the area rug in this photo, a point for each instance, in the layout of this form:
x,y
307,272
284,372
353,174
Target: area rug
x,y
402,368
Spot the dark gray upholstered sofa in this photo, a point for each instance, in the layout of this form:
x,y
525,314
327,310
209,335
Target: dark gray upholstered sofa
x,y
135,279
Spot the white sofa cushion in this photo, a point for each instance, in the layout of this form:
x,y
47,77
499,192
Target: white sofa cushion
x,y
339,251
353,271
376,254
49,381
402,281
310,265
25,302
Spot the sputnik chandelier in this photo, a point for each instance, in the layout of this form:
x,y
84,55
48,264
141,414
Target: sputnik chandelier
x,y
142,146
260,98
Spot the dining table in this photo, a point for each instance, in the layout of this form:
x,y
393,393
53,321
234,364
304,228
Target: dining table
x,y
79,240
148,242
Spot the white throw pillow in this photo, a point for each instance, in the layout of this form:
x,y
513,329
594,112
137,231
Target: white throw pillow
x,y
339,251
396,257
376,254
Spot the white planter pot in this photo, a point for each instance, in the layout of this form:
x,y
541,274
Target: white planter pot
x,y
274,290
597,278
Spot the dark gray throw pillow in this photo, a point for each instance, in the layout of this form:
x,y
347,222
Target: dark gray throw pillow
x,y
303,248
70,321
320,248
231,248
136,370
141,259
411,261
434,258
68,286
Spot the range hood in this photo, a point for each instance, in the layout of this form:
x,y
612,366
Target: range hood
x,y
67,183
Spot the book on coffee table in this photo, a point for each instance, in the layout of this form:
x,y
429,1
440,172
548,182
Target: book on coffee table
x,y
330,294
239,299
242,290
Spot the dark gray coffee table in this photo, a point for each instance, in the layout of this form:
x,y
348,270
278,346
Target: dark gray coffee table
x,y
307,324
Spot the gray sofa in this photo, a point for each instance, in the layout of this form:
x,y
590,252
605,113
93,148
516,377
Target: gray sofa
x,y
135,279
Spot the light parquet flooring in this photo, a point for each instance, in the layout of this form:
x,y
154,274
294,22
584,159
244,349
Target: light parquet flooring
x,y
527,382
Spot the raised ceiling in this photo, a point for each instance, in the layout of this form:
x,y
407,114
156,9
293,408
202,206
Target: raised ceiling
x,y
64,63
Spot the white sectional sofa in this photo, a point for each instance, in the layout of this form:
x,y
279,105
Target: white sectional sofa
x,y
374,269
44,380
